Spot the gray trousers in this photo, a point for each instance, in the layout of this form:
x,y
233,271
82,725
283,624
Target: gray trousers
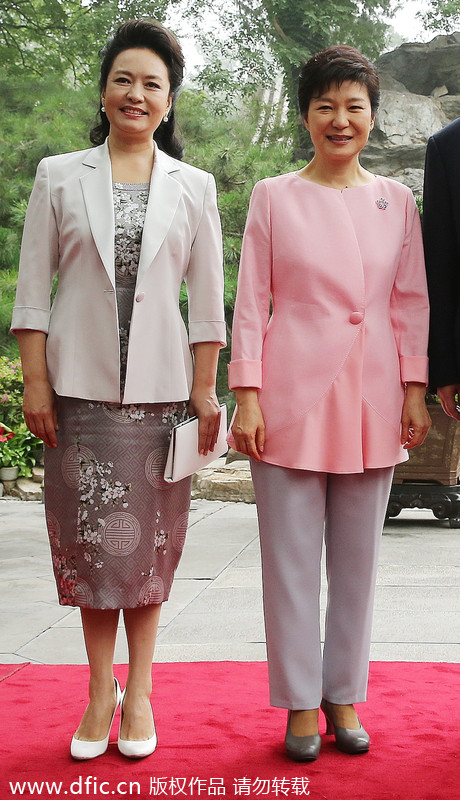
x,y
296,510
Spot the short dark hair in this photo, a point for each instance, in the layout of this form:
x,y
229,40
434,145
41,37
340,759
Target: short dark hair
x,y
150,34
333,66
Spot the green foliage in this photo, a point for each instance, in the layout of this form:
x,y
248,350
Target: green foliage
x,y
442,16
8,344
23,448
11,393
22,451
251,42
39,118
9,248
39,37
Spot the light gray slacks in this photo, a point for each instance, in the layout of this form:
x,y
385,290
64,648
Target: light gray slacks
x,y
296,510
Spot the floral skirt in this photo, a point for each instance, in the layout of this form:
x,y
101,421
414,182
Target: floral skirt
x,y
116,528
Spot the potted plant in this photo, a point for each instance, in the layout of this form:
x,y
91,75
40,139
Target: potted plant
x,y
18,452
19,449
8,472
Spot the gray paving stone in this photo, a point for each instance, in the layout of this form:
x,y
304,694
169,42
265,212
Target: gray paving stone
x,y
40,566
203,508
204,629
240,577
17,592
430,627
416,599
11,658
419,551
230,651
65,646
183,594
216,602
237,511
208,556
249,557
215,608
73,620
418,575
226,527
414,651
19,627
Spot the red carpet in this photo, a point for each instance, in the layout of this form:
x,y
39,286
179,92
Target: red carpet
x,y
218,737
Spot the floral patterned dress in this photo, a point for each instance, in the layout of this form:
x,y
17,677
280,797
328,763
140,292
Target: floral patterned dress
x,y
116,528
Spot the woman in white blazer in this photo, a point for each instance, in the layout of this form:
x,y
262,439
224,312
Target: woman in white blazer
x,y
109,368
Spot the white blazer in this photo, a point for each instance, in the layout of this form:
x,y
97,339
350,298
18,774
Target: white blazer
x,y
69,230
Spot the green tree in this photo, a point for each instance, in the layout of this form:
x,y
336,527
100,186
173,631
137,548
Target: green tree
x,y
251,40
63,36
443,16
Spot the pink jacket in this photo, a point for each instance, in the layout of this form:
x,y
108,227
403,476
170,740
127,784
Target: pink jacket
x,y
344,272
70,230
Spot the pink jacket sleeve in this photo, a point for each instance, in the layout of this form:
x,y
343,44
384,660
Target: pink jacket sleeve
x,y
409,305
252,307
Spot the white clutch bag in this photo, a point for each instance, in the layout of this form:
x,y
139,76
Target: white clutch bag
x,y
183,456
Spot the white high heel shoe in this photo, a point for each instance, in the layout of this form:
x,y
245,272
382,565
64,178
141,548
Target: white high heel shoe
x,y
132,748
82,749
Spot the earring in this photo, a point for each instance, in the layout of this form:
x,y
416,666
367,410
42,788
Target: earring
x,y
103,109
165,118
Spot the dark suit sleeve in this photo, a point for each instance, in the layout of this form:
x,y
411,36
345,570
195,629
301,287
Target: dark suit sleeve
x,y
442,259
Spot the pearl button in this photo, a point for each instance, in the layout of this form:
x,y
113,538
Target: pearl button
x,y
356,317
140,297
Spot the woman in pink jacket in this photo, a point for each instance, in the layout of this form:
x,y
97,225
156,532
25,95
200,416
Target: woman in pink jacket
x,y
329,368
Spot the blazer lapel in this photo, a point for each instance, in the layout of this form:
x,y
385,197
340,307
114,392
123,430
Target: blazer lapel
x,y
98,195
164,195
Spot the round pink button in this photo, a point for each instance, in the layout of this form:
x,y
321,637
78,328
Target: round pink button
x,y
140,297
356,317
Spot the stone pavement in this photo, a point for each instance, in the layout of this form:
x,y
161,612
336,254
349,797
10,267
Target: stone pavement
x,y
215,608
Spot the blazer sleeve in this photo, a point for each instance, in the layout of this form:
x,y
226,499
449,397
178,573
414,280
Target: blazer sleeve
x,y
205,278
409,305
442,258
252,307
39,258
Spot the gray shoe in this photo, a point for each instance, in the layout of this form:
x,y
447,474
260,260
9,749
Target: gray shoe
x,y
301,748
348,740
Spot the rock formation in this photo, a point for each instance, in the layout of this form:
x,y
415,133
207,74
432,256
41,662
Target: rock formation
x,y
420,94
421,68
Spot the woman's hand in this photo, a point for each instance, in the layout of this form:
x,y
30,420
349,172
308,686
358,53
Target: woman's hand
x,y
203,399
415,420
39,401
40,412
248,427
450,399
204,404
